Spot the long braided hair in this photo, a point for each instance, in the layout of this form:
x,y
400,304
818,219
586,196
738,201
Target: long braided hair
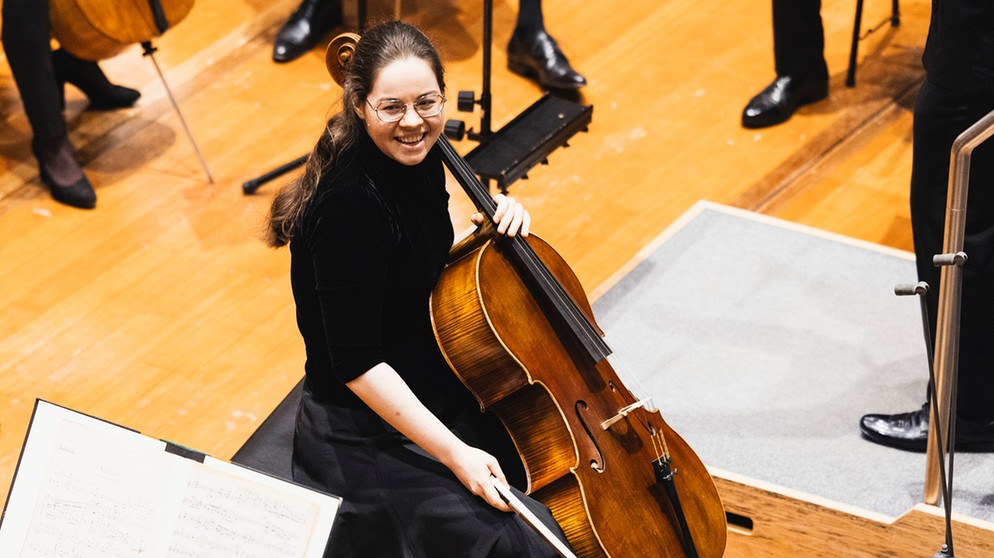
x,y
378,47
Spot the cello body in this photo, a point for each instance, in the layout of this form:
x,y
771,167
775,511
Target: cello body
x,y
598,481
98,29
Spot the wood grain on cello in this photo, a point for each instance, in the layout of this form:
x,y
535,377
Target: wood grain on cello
x,y
96,29
515,325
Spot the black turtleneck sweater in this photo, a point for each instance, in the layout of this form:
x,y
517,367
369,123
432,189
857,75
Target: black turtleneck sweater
x,y
364,260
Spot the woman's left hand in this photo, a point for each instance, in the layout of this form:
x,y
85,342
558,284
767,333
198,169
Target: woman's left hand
x,y
510,217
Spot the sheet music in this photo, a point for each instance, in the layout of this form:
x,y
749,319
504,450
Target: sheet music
x,y
85,488
222,516
98,496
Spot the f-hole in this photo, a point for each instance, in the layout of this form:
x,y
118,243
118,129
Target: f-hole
x,y
598,463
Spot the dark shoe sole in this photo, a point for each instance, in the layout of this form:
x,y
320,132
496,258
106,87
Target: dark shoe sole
x,y
921,446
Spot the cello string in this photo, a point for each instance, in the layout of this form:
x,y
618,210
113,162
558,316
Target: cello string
x,y
642,394
560,299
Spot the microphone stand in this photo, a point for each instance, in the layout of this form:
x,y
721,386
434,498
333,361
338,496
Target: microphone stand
x,y
945,371
921,289
466,101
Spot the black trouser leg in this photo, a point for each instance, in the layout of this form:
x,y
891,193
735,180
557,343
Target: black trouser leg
x,y
26,36
940,116
799,39
530,19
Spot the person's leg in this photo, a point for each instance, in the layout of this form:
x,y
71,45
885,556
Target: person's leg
x,y
397,500
305,27
940,116
90,79
799,39
26,36
798,52
534,54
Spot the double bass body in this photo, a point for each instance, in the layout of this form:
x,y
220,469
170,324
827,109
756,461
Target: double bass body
x,y
598,481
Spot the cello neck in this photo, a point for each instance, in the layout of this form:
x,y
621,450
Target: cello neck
x,y
466,176
575,326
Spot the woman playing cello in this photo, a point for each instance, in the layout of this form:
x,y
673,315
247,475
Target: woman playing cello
x,y
383,421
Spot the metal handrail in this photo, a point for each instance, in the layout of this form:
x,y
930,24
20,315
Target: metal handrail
x,y
946,359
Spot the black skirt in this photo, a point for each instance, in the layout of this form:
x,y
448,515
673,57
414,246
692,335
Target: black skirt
x,y
399,502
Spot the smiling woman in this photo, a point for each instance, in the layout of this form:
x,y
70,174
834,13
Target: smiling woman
x,y
383,422
404,135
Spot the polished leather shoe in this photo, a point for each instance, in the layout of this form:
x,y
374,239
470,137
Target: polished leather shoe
x,y
778,101
305,27
909,431
538,57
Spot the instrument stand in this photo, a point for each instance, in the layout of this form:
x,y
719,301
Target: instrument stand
x,y
528,140
921,289
507,155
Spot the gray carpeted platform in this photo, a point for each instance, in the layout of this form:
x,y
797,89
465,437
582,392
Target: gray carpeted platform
x,y
763,343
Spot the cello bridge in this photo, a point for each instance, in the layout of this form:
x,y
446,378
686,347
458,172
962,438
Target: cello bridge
x,y
624,412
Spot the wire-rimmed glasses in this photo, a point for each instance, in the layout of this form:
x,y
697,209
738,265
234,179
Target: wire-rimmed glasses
x,y
393,110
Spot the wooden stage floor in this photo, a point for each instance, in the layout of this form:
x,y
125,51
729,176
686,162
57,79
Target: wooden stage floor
x,y
162,310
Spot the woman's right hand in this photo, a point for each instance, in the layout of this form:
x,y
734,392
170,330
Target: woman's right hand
x,y
475,469
389,396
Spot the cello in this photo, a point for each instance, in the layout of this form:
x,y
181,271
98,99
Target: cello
x,y
95,30
515,326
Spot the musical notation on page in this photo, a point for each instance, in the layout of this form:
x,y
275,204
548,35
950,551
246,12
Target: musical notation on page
x,y
85,488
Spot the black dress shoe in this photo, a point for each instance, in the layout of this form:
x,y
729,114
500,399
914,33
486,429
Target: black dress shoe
x,y
538,57
778,101
90,79
62,174
305,27
909,431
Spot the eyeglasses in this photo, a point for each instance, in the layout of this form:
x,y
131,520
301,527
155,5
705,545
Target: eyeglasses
x,y
392,110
